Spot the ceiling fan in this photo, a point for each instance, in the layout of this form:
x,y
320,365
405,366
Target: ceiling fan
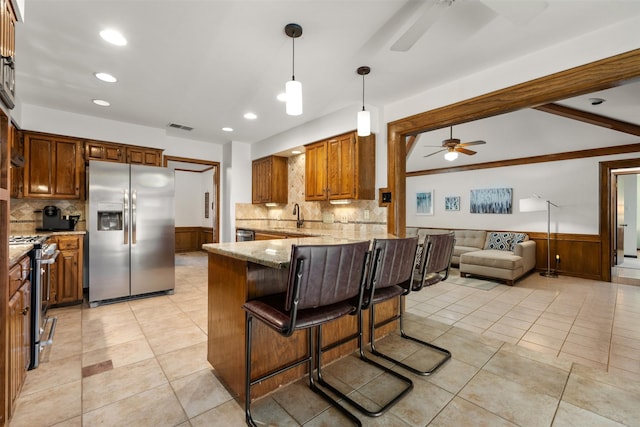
x,y
452,146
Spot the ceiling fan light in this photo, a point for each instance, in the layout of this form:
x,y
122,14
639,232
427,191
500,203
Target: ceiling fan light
x,y
293,89
451,155
364,123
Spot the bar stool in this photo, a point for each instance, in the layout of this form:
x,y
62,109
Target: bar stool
x,y
433,267
391,269
325,283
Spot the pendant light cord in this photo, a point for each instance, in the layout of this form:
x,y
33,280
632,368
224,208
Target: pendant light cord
x,y
363,92
293,61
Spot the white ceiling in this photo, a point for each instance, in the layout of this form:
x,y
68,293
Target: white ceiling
x,y
204,63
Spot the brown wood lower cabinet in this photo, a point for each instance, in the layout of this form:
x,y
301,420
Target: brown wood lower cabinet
x,y
66,273
18,329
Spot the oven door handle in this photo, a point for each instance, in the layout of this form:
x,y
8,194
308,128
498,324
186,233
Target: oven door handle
x,y
50,259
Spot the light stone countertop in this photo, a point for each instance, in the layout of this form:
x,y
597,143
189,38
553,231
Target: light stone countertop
x,y
277,253
16,252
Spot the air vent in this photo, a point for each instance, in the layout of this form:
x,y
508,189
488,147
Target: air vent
x,y
181,127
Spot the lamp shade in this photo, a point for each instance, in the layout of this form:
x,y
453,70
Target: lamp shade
x,y
451,155
364,123
533,204
293,88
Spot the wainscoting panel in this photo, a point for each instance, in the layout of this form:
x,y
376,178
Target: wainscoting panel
x,y
190,239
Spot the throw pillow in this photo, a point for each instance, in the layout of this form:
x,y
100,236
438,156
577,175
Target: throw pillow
x,y
517,238
499,241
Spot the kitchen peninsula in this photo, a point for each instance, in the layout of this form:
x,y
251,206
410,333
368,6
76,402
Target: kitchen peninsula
x,y
241,271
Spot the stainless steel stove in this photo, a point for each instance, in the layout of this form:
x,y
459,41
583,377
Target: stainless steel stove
x,y
27,240
42,256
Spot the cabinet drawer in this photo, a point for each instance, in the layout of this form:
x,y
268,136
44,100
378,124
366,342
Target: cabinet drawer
x,y
68,243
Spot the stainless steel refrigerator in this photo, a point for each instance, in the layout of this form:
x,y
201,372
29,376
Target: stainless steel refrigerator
x,y
130,225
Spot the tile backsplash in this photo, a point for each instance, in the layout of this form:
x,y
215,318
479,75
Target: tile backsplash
x,y
364,215
26,214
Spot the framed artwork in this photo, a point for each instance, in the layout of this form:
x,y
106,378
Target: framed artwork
x,y
424,203
452,203
491,201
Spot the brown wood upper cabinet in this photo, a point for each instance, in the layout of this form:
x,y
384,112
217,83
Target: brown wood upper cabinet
x,y
269,180
122,153
342,167
105,151
144,156
54,167
7,49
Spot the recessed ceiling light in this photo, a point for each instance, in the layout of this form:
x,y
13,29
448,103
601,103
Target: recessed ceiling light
x,y
282,97
250,116
106,77
113,37
101,102
227,129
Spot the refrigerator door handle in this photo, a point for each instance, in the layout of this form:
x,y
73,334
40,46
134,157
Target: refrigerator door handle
x,y
126,217
134,202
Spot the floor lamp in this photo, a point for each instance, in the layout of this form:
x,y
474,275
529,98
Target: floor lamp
x,y
536,204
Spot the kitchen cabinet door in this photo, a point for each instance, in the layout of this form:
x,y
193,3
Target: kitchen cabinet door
x,y
315,175
15,175
105,151
144,156
341,166
53,167
269,180
19,331
67,285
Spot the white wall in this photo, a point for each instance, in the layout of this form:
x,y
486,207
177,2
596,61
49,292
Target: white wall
x,y
237,188
190,198
571,184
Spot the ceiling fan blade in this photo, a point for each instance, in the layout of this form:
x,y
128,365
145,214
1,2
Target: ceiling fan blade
x,y
428,17
436,152
467,144
464,151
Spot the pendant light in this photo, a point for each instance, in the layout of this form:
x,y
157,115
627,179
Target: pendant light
x,y
293,88
364,116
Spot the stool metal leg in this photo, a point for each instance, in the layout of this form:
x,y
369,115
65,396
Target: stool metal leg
x,y
446,354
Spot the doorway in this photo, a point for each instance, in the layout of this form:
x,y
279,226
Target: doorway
x,y
612,220
625,264
198,211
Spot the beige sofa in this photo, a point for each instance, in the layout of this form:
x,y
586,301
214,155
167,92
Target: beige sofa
x,y
500,255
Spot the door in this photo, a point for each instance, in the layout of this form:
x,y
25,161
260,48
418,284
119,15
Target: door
x,y
108,231
152,229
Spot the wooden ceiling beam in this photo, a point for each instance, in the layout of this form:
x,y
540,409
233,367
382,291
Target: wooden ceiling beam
x,y
586,117
411,141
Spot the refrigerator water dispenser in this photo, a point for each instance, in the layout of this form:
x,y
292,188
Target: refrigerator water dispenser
x,y
109,217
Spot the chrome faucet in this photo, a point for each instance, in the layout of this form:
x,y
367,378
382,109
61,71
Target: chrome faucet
x,y
296,211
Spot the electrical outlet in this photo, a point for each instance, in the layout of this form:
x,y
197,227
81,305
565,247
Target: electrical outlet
x,y
366,214
344,219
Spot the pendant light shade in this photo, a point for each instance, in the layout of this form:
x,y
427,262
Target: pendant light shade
x,y
293,88
364,123
364,116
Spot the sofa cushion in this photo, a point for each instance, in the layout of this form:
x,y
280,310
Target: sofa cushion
x,y
518,238
492,258
499,241
471,238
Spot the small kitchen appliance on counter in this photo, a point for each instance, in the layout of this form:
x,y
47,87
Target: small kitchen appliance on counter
x,y
52,220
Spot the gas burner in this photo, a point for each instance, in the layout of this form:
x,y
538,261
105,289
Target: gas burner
x,y
26,240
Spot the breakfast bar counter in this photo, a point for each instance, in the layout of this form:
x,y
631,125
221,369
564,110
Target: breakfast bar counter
x,y
241,271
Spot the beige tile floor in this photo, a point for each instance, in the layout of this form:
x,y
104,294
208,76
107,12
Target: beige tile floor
x,y
546,352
